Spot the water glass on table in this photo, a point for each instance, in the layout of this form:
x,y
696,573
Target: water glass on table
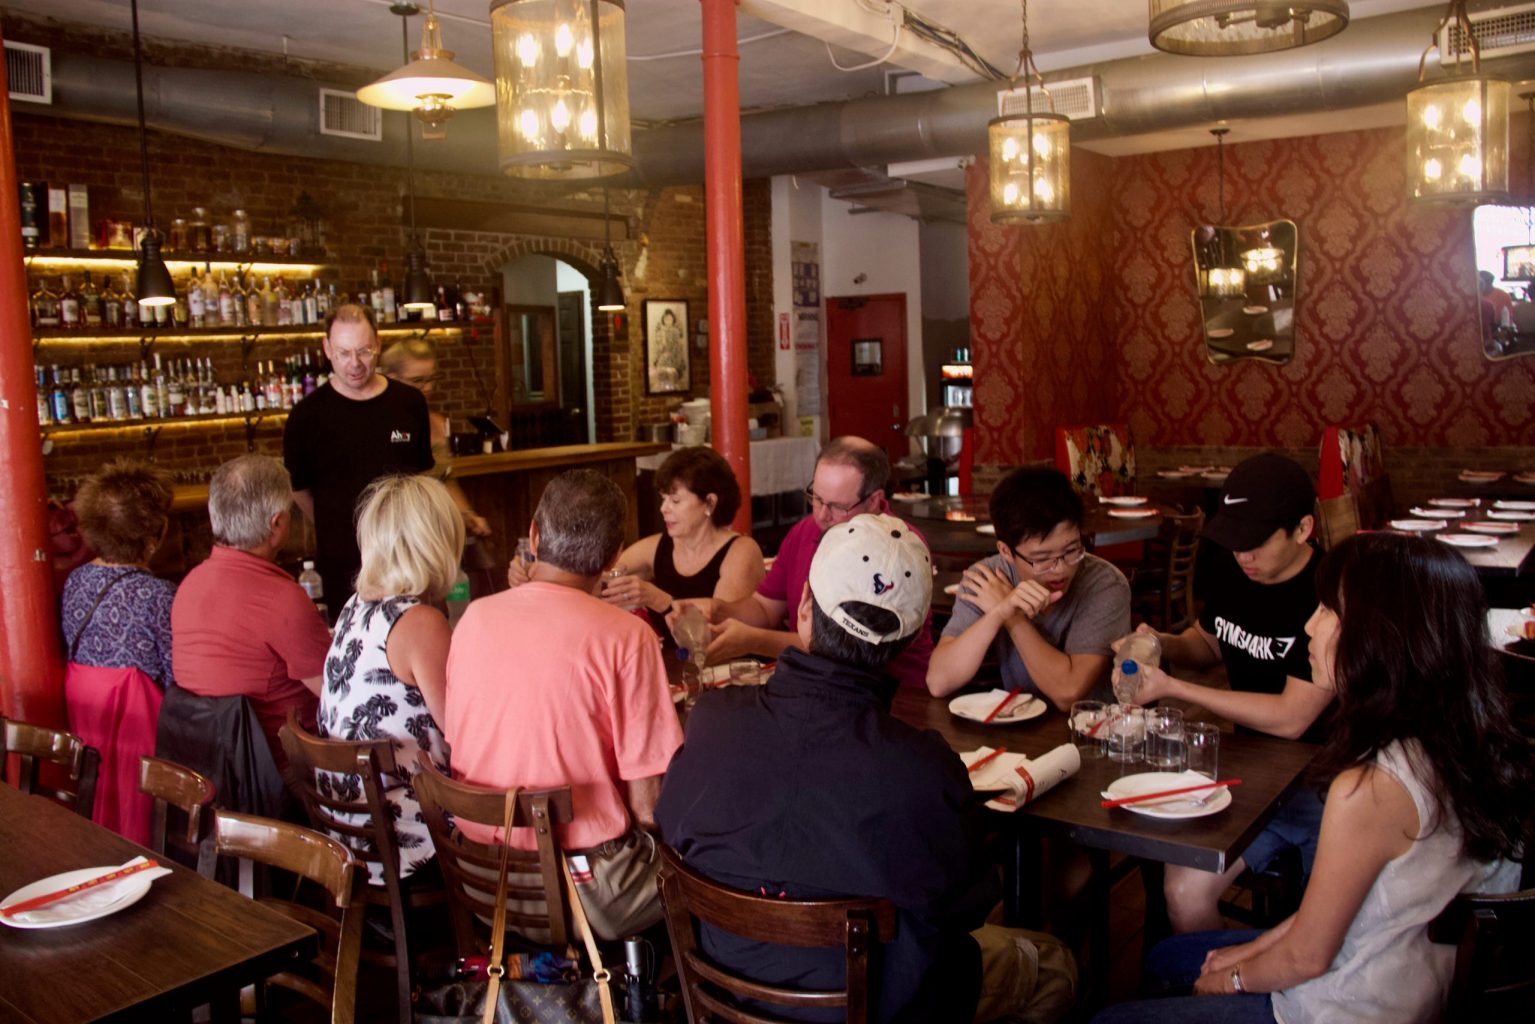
x,y
1202,740
1088,732
613,576
1126,731
1164,739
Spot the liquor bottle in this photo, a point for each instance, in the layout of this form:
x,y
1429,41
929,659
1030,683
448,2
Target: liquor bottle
x,y
197,308
111,306
149,397
132,314
221,402
324,300
226,302
69,305
390,313
45,306
240,301
58,399
284,303
162,389
90,303
210,383
254,315
95,395
376,299
44,405
312,304
268,303
133,391
444,307
79,397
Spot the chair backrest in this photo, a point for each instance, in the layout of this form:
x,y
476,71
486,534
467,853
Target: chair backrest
x,y
1337,519
175,787
535,892
221,739
711,991
1494,956
1099,458
1177,547
35,746
1350,458
331,978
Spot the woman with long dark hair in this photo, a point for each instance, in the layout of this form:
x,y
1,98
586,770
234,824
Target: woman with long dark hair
x,y
1430,796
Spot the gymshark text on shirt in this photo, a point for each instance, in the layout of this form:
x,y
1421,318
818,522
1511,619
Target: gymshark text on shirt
x,y
1264,648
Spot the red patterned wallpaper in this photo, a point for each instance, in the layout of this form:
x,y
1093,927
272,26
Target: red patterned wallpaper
x,y
1386,322
1041,318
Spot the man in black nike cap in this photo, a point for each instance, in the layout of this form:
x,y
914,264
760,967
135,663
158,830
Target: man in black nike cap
x,y
1257,598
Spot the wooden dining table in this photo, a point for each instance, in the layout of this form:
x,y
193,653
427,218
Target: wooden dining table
x,y
188,941
949,525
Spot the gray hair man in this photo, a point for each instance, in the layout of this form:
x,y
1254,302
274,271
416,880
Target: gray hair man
x,y
240,626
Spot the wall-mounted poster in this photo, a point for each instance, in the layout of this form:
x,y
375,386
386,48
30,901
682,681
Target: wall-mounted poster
x,y
668,369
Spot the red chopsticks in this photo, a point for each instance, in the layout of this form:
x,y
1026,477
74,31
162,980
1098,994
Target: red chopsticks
x,y
1169,792
988,758
54,897
1004,702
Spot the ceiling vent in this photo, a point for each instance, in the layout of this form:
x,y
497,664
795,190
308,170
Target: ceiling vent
x,y
1503,32
1077,98
29,72
343,114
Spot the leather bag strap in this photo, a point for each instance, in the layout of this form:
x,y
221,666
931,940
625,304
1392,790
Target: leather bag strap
x,y
600,974
496,969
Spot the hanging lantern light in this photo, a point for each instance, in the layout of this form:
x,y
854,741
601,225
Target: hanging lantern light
x,y
1218,276
1030,153
562,94
153,285
1236,28
1457,129
430,85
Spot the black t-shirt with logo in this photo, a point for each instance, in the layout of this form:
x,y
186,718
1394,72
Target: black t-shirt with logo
x,y
334,447
1261,626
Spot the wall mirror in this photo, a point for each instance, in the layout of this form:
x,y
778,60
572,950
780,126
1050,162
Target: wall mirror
x,y
1505,270
1247,285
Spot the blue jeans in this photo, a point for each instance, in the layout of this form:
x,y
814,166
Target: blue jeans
x,y
1171,970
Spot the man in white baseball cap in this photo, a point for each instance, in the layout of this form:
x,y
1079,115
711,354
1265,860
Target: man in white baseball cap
x,y
807,788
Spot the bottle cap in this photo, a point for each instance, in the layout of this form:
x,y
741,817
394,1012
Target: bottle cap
x,y
308,565
1129,667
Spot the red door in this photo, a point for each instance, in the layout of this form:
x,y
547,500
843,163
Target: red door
x,y
866,369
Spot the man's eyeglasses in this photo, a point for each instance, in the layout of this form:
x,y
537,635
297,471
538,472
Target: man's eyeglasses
x,y
420,381
1071,556
831,506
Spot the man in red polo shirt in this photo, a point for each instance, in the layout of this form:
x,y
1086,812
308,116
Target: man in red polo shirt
x,y
240,626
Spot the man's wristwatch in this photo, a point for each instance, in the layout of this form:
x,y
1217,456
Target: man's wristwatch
x,y
1236,980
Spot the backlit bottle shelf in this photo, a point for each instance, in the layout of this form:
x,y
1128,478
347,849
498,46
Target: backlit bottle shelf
x,y
136,427
296,332
124,259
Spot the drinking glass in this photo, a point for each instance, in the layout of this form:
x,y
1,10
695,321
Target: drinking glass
x,y
1164,739
1203,741
1087,716
612,576
525,551
1126,731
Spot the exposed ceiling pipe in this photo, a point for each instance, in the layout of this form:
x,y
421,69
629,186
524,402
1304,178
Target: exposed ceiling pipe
x,y
1374,61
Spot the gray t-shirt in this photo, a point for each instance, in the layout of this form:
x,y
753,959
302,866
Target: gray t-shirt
x,y
1094,612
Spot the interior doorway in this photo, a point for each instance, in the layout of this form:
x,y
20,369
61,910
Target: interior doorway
x,y
547,353
866,370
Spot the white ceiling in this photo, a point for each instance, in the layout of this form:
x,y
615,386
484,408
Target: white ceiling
x,y
779,66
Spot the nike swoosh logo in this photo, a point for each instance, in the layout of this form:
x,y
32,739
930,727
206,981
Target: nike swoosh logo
x,y
1229,500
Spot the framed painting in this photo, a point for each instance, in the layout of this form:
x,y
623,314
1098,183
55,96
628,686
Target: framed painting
x,y
668,368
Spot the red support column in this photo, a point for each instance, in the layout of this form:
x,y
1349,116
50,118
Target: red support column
x,y
31,668
726,246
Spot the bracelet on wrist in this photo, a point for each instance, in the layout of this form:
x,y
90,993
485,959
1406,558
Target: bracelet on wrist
x,y
1236,980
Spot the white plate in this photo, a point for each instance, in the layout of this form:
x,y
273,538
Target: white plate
x,y
1254,310
1515,506
1481,476
1418,525
1468,540
1197,469
1454,502
976,706
1525,478
1124,499
1174,474
1221,332
989,529
1173,807
1517,517
908,496
1501,529
1261,345
132,890
1133,513
1438,513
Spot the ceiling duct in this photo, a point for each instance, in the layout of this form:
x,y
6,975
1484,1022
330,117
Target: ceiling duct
x,y
1074,98
1499,33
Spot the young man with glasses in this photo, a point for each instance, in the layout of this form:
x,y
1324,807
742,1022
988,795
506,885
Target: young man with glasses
x,y
850,478
1042,606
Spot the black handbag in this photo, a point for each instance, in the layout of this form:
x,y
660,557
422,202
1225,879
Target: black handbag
x,y
503,1000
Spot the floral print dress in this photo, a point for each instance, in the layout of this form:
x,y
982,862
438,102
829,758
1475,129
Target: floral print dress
x,y
363,700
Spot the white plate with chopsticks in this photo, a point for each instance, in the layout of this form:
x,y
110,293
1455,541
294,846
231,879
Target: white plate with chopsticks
x,y
1125,500
976,706
60,915
1468,540
1515,506
1418,525
1185,805
1454,502
1437,513
1501,529
1517,517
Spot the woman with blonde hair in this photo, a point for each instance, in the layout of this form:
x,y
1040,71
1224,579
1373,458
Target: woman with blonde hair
x,y
386,673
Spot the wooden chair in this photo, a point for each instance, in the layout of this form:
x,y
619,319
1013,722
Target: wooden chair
x,y
711,992
174,787
1494,937
536,911
1337,519
35,746
1164,589
364,824
331,978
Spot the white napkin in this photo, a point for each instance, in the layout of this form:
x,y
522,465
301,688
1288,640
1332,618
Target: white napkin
x,y
88,901
1022,779
976,706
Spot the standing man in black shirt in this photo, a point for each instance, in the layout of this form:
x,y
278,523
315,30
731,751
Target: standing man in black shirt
x,y
1260,592
358,427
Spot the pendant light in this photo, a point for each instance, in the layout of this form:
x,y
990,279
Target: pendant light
x,y
1218,276
430,84
154,286
418,293
1457,128
1030,152
1237,28
610,292
562,92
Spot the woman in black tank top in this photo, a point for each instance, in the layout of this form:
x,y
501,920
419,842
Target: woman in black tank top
x,y
697,555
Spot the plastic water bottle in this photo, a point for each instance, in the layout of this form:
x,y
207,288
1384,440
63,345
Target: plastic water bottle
x,y
458,597
1136,651
314,586
692,635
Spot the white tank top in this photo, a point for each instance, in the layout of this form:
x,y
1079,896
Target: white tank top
x,y
1387,971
